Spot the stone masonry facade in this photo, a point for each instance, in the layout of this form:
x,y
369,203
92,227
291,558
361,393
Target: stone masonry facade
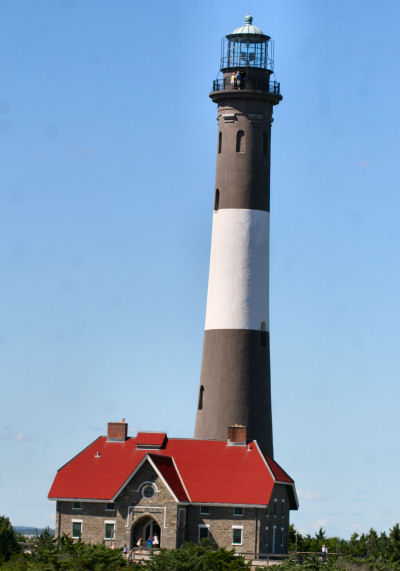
x,y
263,529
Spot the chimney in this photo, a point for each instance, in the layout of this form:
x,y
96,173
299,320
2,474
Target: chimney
x,y
237,435
117,431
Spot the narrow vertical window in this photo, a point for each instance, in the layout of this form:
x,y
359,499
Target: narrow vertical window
x,y
237,532
283,508
275,506
240,142
76,529
263,335
266,536
265,143
200,403
203,531
220,142
216,199
282,536
109,532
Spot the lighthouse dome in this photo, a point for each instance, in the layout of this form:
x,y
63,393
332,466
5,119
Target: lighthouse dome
x,y
247,28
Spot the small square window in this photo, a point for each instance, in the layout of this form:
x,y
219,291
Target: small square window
x,y
77,506
110,506
237,536
205,510
77,529
203,532
237,511
109,531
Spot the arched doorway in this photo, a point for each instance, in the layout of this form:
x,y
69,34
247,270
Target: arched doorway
x,y
146,527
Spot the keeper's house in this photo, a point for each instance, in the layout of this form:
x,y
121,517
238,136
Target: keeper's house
x,y
120,488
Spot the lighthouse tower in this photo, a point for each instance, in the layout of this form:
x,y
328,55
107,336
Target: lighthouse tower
x,y
235,385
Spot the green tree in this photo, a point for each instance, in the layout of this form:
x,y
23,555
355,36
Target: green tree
x,y
193,557
8,540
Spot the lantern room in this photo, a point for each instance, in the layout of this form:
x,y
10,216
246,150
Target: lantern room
x,y
247,46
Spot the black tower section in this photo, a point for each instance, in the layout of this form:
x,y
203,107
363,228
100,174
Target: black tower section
x,y
235,375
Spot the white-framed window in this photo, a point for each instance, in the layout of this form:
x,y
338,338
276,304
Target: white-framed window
x,y
283,508
77,506
147,489
204,531
109,529
266,536
205,510
282,536
77,528
237,510
110,507
237,534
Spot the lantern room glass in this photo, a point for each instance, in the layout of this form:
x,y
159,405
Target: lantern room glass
x,y
247,50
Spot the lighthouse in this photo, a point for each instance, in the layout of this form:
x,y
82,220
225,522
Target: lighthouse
x,y
235,382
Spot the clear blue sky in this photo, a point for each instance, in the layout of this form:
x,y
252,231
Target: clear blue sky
x,y
107,145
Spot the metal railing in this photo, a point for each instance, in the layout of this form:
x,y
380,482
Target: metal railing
x,y
250,85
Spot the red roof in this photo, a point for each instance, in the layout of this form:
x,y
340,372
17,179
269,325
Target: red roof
x,y
150,438
278,472
199,471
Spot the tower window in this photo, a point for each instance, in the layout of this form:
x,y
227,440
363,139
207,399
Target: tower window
x,y
220,142
216,199
200,403
265,143
263,335
240,142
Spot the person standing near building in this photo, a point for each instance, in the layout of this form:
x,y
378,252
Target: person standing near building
x,y
324,553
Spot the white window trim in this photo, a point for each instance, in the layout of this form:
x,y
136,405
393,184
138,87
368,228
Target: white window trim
x,y
205,513
112,522
147,483
77,521
206,525
241,535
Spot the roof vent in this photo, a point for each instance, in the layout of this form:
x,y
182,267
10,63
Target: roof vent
x,y
237,435
117,431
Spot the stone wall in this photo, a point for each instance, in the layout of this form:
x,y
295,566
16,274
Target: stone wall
x,y
130,508
263,529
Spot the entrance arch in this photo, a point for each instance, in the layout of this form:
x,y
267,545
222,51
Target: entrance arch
x,y
145,527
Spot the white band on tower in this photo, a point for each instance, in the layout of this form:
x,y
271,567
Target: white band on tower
x,y
238,284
